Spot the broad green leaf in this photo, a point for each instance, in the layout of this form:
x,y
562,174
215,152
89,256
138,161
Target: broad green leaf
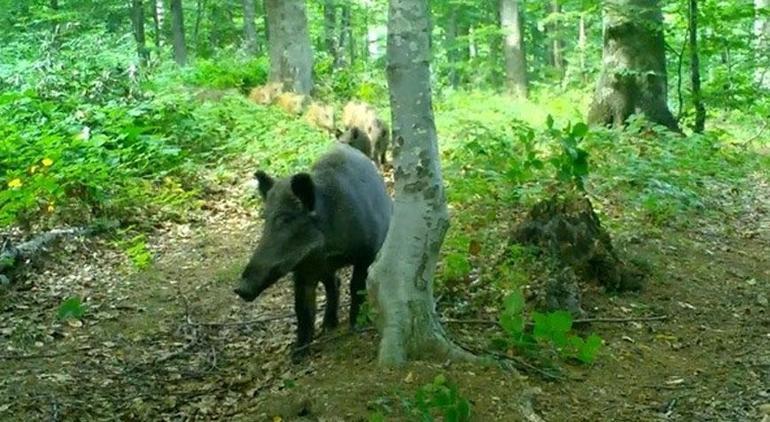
x,y
71,308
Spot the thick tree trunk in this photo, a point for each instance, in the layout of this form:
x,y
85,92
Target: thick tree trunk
x,y
249,27
291,58
400,280
633,77
157,19
762,36
700,110
137,20
177,30
330,28
513,48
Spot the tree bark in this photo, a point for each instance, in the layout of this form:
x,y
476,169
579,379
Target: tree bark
x,y
400,279
291,58
157,18
200,10
513,48
330,28
137,20
451,48
700,110
177,29
633,77
762,44
557,43
249,27
345,35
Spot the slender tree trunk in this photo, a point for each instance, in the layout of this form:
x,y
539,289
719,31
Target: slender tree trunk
x,y
513,48
157,18
557,43
177,29
344,37
291,57
582,44
200,10
249,27
330,28
762,36
400,279
365,39
700,110
633,77
451,48
137,20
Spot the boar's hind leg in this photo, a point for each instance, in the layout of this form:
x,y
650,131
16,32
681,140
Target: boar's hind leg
x,y
304,306
332,287
357,290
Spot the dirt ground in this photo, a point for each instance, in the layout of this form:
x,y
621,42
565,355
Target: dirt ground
x,y
174,343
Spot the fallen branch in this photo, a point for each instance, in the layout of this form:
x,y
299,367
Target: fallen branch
x,y
11,256
241,323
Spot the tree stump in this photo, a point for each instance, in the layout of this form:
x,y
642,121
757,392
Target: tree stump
x,y
578,249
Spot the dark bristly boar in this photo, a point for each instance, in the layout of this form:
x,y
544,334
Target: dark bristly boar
x,y
316,223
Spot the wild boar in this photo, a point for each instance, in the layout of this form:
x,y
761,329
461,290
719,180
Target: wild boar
x,y
335,216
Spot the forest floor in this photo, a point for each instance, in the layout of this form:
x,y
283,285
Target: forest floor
x,y
174,342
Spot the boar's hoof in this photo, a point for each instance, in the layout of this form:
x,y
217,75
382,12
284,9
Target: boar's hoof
x,y
247,296
300,352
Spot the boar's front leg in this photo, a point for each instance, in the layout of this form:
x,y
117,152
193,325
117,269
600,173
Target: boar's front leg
x,y
357,291
304,306
332,286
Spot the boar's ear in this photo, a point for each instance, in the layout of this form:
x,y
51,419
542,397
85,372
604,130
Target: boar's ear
x,y
337,133
303,188
265,182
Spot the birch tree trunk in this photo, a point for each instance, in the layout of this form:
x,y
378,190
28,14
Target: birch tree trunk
x,y
513,48
291,58
177,30
250,27
633,77
400,280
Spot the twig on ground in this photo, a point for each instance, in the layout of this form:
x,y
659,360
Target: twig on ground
x,y
241,323
577,321
44,355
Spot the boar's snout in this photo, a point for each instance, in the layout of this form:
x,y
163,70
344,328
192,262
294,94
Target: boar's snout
x,y
245,294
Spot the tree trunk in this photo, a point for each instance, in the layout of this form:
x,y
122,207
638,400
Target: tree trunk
x,y
633,77
291,58
177,29
513,48
200,10
400,279
451,48
582,44
249,27
557,44
344,36
137,20
700,110
330,27
157,18
762,34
